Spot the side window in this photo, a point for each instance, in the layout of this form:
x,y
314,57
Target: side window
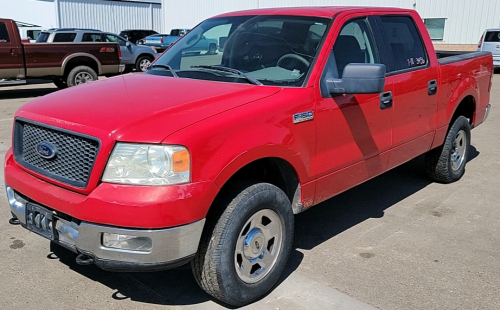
x,y
113,38
354,44
91,37
4,34
404,41
33,34
65,37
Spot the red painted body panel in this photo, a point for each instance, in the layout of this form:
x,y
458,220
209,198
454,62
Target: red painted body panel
x,y
118,205
226,126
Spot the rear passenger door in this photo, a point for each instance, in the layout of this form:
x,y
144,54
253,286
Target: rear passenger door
x,y
415,86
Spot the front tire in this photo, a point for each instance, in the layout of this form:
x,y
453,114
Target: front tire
x,y
142,63
446,164
81,75
246,243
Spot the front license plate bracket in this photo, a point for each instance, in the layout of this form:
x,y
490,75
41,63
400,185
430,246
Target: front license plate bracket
x,y
40,220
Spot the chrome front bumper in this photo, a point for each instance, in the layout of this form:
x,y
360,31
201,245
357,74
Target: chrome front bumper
x,y
170,247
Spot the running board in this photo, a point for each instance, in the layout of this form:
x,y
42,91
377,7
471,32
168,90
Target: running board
x,y
13,82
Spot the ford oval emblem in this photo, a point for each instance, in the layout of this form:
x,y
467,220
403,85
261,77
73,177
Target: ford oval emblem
x,y
46,150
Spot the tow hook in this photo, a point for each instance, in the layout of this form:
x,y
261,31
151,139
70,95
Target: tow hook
x,y
14,221
84,260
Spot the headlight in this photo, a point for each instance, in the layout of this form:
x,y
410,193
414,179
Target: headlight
x,y
145,164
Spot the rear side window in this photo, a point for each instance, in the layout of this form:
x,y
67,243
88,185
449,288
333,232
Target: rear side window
x,y
492,36
4,34
91,37
43,37
404,41
33,34
64,37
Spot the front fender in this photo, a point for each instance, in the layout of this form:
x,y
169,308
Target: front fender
x,y
224,143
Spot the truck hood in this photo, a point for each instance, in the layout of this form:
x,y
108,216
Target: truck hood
x,y
139,107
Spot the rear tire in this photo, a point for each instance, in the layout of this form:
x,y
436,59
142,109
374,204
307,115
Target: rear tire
x,y
446,164
81,75
245,244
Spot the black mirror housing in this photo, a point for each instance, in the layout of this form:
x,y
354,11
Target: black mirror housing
x,y
359,79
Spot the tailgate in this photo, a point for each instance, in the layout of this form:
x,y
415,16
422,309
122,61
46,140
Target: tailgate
x,y
154,40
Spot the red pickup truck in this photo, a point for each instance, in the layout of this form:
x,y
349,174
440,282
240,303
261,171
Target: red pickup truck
x,y
212,159
64,63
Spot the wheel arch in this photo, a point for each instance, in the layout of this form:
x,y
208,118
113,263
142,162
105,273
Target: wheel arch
x,y
466,108
273,170
144,55
80,59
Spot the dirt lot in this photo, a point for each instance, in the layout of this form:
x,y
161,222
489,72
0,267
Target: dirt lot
x,y
398,241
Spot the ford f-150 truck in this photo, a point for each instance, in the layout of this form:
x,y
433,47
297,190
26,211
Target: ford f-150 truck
x,y
211,165
66,64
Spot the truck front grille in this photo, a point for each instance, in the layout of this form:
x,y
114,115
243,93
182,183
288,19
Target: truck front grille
x,y
74,153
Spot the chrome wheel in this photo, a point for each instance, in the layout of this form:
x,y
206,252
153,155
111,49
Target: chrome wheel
x,y
458,150
258,246
83,77
144,64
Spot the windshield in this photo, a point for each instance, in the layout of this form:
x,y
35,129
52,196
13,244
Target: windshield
x,y
273,50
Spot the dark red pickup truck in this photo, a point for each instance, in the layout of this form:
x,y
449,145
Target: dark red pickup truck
x,y
212,159
66,64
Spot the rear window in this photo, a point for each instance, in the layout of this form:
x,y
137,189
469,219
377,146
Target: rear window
x,y
4,34
64,37
492,36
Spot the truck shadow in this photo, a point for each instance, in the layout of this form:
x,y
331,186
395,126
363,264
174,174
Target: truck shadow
x,y
26,93
365,201
312,228
20,91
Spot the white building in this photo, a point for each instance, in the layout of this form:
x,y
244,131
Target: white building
x,y
113,16
448,21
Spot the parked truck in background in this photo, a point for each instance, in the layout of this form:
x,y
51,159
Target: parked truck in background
x,y
66,64
211,166
161,42
490,42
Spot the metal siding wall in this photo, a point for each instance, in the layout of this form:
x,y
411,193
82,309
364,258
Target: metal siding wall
x,y
109,16
465,19
185,16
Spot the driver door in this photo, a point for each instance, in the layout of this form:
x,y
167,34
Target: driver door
x,y
354,131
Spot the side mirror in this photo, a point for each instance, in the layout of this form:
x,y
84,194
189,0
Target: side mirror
x,y
359,79
127,44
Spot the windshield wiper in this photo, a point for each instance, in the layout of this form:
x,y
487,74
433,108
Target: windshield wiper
x,y
165,67
230,70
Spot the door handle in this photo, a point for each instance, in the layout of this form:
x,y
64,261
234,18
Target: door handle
x,y
385,100
432,87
